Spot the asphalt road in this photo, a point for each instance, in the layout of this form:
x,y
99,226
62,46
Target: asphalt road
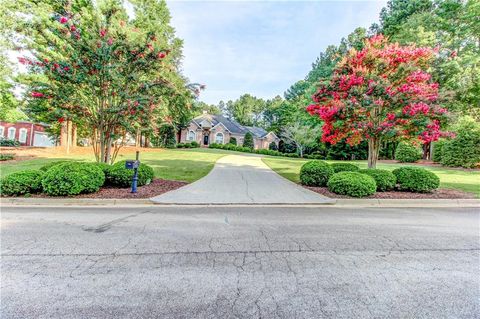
x,y
239,263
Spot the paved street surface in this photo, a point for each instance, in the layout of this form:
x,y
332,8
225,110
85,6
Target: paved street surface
x,y
242,179
159,262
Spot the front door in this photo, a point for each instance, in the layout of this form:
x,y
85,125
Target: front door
x,y
205,140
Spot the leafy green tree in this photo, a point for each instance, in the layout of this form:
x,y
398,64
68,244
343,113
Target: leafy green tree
x,y
92,64
248,140
247,110
300,135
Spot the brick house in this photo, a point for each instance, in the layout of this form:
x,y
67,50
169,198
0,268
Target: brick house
x,y
208,128
26,133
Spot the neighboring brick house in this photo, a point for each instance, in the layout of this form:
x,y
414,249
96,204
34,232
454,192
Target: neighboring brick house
x,y
208,128
26,133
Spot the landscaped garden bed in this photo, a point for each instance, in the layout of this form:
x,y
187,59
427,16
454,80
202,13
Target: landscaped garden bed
x,y
84,180
156,187
454,183
441,193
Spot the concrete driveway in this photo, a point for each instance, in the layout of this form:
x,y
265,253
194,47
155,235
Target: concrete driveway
x,y
242,179
250,262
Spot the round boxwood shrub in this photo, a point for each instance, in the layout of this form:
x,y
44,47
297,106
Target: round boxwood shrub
x,y
407,153
352,184
344,167
416,179
384,179
21,183
118,175
47,166
72,178
315,173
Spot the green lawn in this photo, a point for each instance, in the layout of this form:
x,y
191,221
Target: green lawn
x,y
174,164
465,180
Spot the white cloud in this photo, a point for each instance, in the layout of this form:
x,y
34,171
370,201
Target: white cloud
x,y
260,47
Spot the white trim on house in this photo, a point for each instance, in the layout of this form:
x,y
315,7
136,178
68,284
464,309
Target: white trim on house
x,y
194,136
2,131
220,123
22,135
11,136
275,135
223,138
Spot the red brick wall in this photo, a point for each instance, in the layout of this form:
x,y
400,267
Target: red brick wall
x,y
20,125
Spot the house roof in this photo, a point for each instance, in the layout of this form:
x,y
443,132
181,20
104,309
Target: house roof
x,y
233,126
257,131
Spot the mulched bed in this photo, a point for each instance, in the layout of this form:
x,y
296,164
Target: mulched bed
x,y
156,187
441,193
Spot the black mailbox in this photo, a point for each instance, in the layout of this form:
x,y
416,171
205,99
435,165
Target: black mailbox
x,y
132,164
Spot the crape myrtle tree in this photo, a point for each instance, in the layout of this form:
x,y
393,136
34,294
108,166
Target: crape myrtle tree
x,y
381,92
95,65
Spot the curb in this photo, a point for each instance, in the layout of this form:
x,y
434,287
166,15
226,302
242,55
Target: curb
x,y
67,202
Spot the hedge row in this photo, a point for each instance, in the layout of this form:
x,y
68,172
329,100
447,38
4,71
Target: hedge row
x,y
348,179
67,178
232,147
188,145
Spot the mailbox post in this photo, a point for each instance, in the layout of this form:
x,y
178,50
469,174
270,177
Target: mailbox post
x,y
134,165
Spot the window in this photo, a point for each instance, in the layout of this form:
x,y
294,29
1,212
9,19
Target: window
x,y
219,138
191,136
2,131
11,133
22,138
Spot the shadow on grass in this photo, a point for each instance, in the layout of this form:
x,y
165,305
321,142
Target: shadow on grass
x,y
180,169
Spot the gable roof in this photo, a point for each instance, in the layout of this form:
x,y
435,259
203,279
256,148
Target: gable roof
x,y
231,125
256,131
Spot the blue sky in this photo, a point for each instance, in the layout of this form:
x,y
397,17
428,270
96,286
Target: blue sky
x,y
260,47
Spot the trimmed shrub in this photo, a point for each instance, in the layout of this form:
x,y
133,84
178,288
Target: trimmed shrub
x,y
180,145
103,166
437,151
352,184
273,146
21,183
315,173
385,180
464,149
344,167
233,141
248,140
72,178
416,179
8,142
47,166
118,175
407,153
194,144
6,157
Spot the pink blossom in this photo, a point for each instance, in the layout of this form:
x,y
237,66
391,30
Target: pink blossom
x,y
110,41
63,20
37,94
103,32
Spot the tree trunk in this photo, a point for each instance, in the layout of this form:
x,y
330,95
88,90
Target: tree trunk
x,y
69,135
138,138
373,151
147,141
426,151
74,135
